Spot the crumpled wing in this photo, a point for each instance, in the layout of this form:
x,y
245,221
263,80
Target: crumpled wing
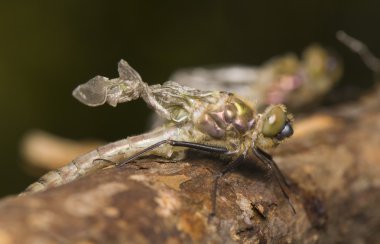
x,y
170,101
100,90
126,72
94,92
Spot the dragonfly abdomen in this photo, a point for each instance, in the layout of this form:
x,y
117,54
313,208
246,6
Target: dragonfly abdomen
x,y
78,167
112,153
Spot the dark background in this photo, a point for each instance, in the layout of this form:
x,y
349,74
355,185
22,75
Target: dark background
x,y
47,48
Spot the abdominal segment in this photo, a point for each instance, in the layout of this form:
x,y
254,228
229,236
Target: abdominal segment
x,y
112,154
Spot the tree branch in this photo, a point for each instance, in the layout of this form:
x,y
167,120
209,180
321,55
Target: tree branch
x,y
332,165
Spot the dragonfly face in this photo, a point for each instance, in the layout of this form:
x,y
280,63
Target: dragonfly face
x,y
275,125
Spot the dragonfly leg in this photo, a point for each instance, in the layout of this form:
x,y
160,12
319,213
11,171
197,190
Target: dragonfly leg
x,y
229,167
267,159
174,143
206,148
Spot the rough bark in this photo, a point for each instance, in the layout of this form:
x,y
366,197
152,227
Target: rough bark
x,y
332,165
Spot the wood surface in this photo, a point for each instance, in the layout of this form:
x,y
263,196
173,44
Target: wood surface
x,y
332,165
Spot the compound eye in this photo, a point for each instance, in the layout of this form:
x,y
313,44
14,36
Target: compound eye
x,y
274,122
286,132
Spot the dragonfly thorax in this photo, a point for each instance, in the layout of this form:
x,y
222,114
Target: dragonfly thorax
x,y
230,116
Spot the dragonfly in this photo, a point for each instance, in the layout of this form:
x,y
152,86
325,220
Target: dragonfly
x,y
216,122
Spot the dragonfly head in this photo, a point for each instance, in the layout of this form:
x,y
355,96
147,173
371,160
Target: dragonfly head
x,y
275,125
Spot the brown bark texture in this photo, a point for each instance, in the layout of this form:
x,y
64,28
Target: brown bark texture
x,y
332,165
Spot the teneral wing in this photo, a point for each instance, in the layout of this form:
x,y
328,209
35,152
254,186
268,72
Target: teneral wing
x,y
100,90
170,101
94,92
126,72
181,101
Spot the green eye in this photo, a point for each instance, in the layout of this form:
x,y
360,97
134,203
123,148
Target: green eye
x,y
274,121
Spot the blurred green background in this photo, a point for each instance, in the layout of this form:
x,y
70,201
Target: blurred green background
x,y
47,48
